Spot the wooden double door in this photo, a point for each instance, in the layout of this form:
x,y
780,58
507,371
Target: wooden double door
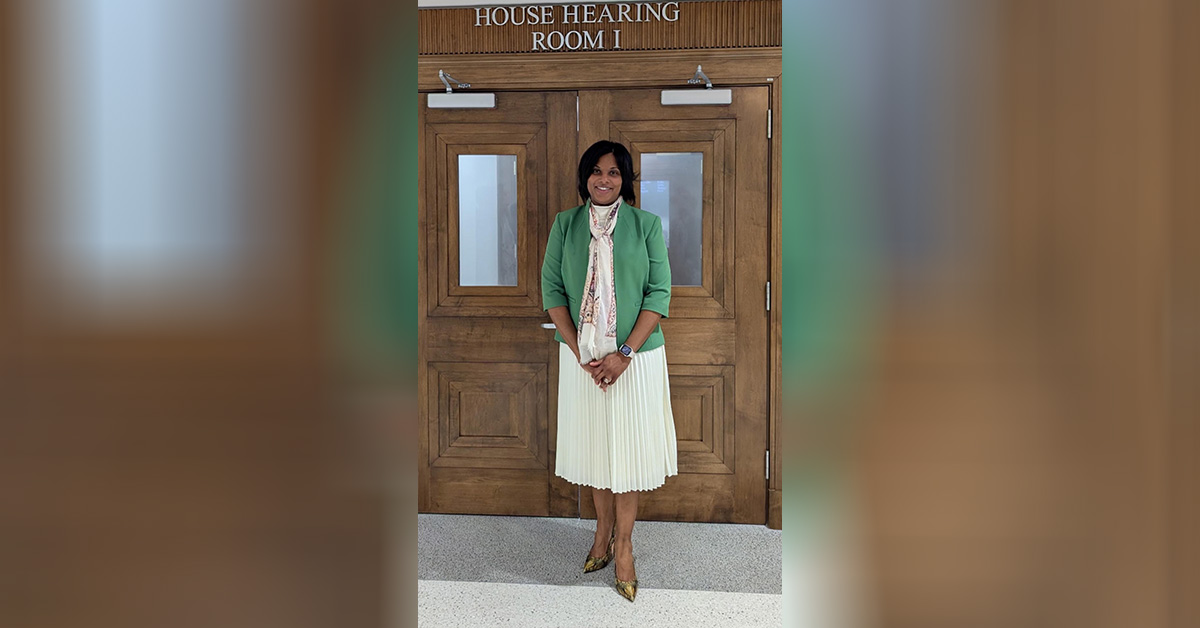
x,y
491,182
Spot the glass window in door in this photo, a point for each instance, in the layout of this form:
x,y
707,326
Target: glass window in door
x,y
672,186
487,220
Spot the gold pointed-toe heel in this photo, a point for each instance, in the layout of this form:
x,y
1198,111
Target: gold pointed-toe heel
x,y
627,589
594,563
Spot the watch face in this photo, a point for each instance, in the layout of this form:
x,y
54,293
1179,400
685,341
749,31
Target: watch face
x,y
625,350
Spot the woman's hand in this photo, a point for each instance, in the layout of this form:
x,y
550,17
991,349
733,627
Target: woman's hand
x,y
608,369
589,367
591,370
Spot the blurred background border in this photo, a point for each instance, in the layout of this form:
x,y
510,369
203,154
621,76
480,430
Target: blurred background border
x,y
997,431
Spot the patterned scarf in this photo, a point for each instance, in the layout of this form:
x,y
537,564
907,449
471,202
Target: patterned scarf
x,y
598,311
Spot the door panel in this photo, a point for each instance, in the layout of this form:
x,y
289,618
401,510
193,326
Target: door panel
x,y
715,141
490,415
717,334
488,369
449,144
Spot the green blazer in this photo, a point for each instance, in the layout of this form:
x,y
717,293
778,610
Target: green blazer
x,y
641,273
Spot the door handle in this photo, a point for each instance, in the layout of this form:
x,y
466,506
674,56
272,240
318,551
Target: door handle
x,y
548,326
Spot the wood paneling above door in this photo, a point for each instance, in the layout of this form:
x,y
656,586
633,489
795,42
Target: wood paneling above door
x,y
728,24
601,70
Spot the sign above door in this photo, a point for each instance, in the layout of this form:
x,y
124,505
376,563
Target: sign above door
x,y
671,25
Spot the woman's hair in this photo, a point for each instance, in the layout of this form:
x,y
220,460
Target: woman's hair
x,y
624,164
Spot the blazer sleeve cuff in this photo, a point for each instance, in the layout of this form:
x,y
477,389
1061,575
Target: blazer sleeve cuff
x,y
659,306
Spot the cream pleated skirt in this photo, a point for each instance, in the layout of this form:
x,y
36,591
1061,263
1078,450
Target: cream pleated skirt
x,y
623,439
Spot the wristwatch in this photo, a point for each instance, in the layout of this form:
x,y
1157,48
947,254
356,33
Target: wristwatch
x,y
626,351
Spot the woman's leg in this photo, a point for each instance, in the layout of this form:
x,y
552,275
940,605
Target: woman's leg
x,y
603,499
626,505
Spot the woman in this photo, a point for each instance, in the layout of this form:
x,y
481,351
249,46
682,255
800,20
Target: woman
x,y
606,282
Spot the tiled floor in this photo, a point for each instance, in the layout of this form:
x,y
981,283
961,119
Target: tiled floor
x,y
526,571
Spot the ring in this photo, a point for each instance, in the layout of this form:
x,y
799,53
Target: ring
x,y
607,380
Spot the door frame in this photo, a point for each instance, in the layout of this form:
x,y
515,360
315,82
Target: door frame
x,y
572,71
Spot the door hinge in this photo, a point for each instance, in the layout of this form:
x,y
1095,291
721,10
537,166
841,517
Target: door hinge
x,y
768,464
768,124
768,296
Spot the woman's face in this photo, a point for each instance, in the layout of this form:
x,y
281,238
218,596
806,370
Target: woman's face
x,y
605,183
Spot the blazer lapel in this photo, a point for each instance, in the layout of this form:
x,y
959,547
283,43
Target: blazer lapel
x,y
623,234
581,239
625,227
